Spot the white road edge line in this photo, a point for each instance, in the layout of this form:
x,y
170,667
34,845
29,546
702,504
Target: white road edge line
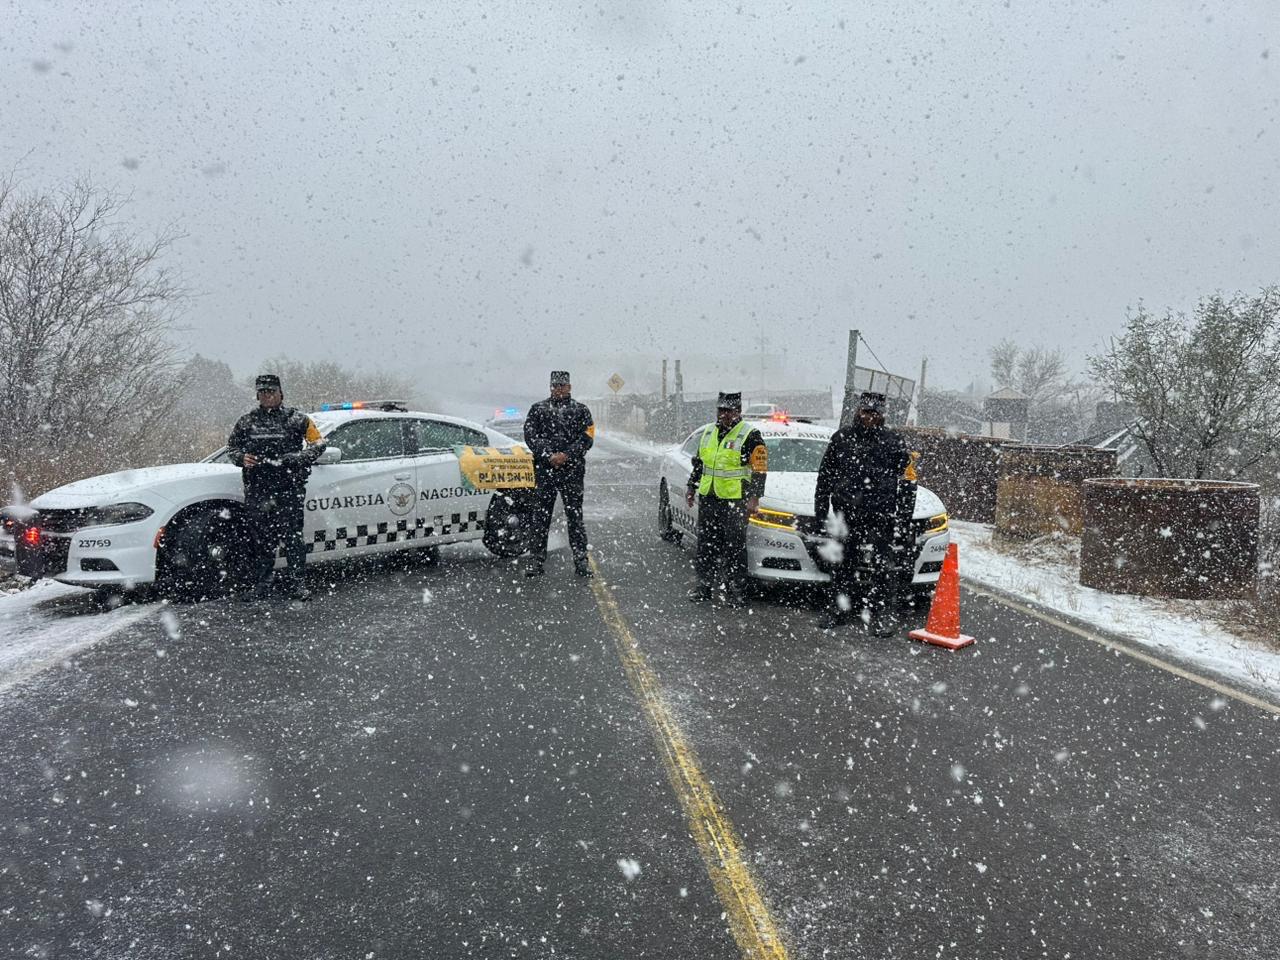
x,y
1122,647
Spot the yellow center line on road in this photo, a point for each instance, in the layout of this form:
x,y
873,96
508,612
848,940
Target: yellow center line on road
x,y
750,922
1127,650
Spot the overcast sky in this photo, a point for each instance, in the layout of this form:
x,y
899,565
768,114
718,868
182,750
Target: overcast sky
x,y
414,184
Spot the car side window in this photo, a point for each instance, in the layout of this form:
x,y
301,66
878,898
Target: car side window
x,y
438,435
690,448
368,440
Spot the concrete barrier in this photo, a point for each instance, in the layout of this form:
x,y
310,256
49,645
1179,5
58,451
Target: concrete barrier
x,y
1039,490
960,469
1191,539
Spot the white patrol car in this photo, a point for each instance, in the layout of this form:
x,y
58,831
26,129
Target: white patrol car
x,y
388,480
509,421
783,542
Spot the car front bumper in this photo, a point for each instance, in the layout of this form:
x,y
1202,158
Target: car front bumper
x,y
123,555
788,555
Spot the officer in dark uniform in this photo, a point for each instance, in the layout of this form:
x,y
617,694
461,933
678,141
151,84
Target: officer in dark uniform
x,y
858,479
558,431
728,478
275,446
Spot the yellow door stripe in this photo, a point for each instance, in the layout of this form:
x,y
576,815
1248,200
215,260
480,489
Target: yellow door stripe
x,y
750,922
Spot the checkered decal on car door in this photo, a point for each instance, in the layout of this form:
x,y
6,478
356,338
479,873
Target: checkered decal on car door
x,y
368,534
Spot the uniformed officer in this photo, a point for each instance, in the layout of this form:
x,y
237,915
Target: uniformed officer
x,y
728,478
858,479
275,446
558,431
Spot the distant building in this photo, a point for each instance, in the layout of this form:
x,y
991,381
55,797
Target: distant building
x,y
950,410
1006,413
1114,428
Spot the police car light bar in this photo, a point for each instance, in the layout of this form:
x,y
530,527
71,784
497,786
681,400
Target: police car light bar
x,y
384,405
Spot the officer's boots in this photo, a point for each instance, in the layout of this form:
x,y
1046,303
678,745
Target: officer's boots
x,y
699,594
297,588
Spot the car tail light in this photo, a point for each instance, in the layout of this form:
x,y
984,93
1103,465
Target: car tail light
x,y
31,536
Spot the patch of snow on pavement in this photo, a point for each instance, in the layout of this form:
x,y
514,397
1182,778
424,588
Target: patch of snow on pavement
x,y
1159,625
44,626
617,441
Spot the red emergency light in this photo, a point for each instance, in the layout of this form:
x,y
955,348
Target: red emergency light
x,y
780,416
31,536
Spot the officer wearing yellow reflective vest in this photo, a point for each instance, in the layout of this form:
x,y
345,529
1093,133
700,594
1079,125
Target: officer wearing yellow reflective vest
x,y
728,478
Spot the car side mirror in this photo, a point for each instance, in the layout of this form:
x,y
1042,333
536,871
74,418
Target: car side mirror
x,y
330,455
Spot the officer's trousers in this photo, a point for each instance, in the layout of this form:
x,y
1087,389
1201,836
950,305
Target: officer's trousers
x,y
863,576
722,544
271,520
544,504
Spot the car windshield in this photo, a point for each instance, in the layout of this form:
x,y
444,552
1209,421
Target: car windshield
x,y
794,455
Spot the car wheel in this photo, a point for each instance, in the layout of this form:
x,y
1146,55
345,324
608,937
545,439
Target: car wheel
x,y
203,556
666,530
506,524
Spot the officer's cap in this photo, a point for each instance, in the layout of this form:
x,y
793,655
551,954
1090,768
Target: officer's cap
x,y
267,381
875,402
729,401
560,378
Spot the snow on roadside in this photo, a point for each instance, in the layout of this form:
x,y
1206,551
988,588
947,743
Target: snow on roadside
x,y
1165,626
47,624
626,442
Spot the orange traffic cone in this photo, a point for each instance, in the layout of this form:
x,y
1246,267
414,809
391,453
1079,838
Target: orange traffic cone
x,y
943,626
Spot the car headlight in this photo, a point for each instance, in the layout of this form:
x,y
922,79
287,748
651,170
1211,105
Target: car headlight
x,y
778,519
936,524
115,514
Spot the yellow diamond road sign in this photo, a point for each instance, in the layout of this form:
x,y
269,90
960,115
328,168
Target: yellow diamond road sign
x,y
615,383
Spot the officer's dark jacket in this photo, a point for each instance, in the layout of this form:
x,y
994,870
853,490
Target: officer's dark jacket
x,y
752,487
859,474
286,443
559,426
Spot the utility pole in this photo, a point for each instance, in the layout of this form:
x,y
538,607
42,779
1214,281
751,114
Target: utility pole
x,y
924,366
664,379
679,400
850,405
761,341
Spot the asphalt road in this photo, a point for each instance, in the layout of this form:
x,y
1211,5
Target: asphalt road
x,y
452,761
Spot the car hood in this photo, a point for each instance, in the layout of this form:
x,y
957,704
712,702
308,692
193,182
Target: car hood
x,y
793,492
121,486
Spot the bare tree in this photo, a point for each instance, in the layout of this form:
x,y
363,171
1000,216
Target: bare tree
x,y
85,306
1037,371
307,385
1206,390
1004,362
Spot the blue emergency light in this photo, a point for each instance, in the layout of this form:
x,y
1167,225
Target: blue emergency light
x,y
384,405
